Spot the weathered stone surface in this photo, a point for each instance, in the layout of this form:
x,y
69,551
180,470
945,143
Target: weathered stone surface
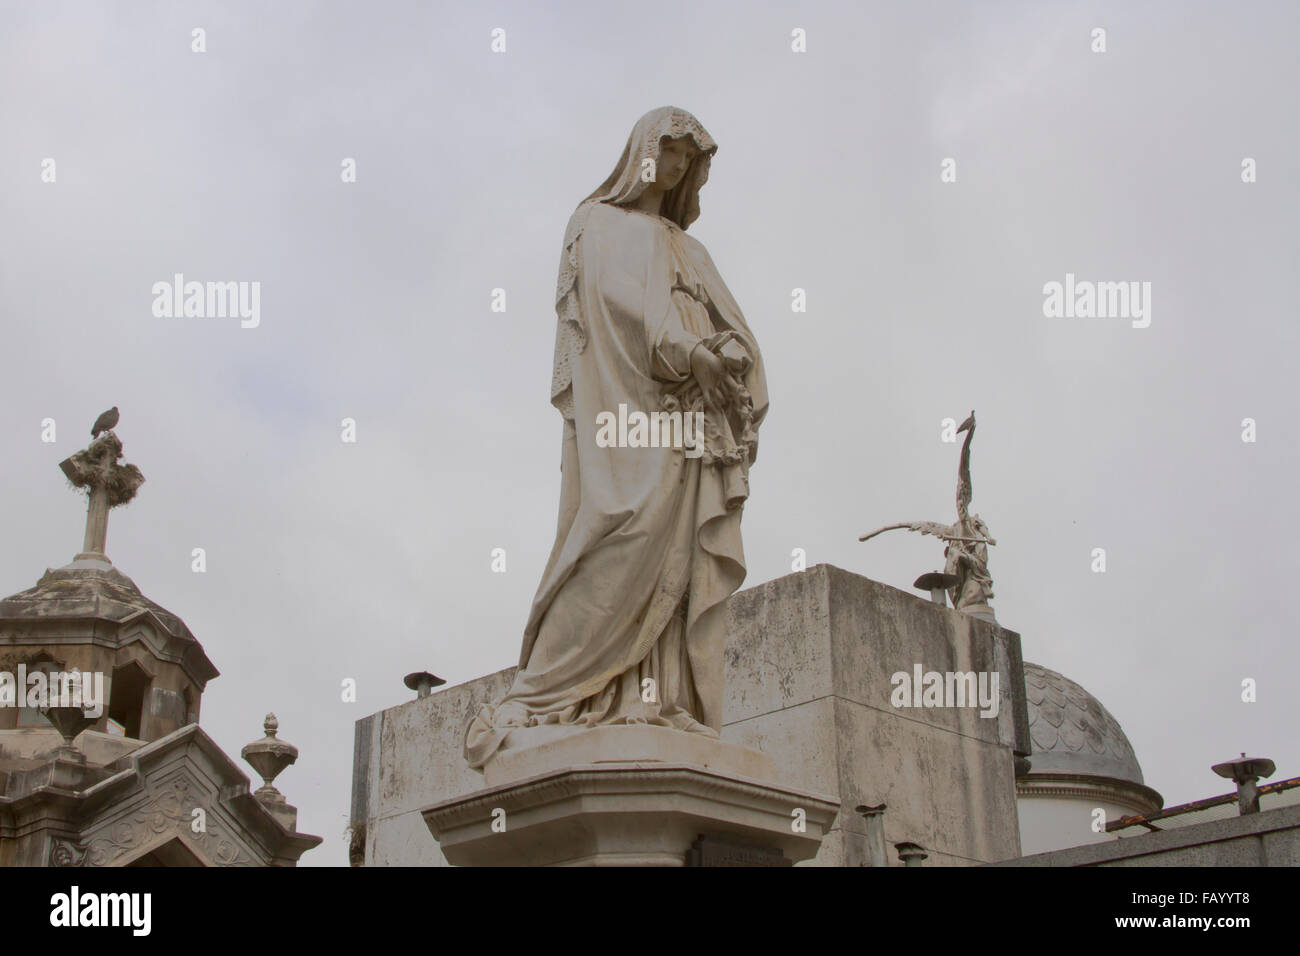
x,y
96,620
139,808
1072,732
1267,838
719,851
946,774
778,647
403,840
104,594
166,704
809,660
802,738
407,757
572,746
951,793
29,747
625,795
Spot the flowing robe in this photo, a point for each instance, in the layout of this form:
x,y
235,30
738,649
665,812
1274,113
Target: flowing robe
x,y
628,625
969,560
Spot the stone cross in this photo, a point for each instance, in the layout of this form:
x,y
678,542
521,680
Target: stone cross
x,y
109,483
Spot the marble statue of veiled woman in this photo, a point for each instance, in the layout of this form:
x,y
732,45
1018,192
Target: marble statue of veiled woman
x,y
628,625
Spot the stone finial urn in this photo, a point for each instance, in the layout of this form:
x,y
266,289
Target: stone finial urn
x,y
269,756
69,722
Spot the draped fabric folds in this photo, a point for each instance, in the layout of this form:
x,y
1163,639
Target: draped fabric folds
x,y
628,625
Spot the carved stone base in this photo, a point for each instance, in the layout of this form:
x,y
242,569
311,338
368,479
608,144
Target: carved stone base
x,y
625,796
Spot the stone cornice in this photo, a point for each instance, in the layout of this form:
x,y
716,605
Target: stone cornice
x,y
620,779
1135,796
632,812
143,627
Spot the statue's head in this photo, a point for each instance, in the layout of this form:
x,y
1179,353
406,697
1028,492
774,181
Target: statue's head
x,y
676,149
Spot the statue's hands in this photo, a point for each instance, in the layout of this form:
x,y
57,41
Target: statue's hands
x,y
710,373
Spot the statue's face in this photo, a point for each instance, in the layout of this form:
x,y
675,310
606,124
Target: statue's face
x,y
675,157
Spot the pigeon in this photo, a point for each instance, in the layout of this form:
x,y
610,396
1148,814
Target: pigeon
x,y
104,422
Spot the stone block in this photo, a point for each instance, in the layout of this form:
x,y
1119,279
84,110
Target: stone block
x,y
809,662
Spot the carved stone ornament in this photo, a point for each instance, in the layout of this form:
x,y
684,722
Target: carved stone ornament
x,y
168,811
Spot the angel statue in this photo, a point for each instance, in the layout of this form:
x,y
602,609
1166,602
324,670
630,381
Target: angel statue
x,y
967,552
628,625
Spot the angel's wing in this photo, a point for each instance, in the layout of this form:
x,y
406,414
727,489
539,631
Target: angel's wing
x,y
935,528
925,527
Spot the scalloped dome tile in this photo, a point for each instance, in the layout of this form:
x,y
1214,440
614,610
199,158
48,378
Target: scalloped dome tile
x,y
1053,713
1072,732
1072,736
1043,736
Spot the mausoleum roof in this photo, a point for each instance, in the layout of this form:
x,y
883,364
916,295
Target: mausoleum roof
x,y
103,593
87,592
1072,732
90,589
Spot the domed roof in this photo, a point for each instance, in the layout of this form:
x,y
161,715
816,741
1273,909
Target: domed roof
x,y
105,593
1072,732
90,590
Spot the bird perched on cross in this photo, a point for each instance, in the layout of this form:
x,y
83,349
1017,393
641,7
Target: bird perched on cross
x,y
104,422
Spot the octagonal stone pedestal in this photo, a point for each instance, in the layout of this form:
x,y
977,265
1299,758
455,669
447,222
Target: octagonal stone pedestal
x,y
624,796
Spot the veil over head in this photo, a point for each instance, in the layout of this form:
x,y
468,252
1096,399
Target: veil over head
x,y
681,205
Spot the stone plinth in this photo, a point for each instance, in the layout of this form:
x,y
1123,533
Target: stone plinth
x,y
624,796
809,667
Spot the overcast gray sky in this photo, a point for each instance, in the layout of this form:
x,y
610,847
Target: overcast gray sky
x,y
328,560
